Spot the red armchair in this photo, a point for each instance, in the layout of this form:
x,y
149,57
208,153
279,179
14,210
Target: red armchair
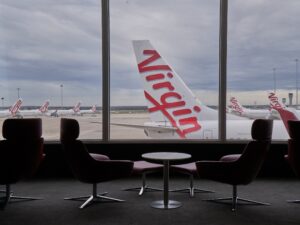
x,y
293,156
243,169
90,168
20,153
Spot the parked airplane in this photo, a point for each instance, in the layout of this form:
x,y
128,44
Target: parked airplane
x,y
238,109
67,112
92,110
12,111
36,112
175,111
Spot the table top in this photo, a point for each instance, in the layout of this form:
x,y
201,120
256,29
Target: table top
x,y
162,156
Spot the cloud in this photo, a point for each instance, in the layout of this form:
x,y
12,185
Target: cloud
x,y
45,43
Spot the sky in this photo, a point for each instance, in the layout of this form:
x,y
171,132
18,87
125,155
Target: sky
x,y
46,43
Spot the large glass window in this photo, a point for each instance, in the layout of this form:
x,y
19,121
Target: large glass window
x,y
171,37
51,51
263,52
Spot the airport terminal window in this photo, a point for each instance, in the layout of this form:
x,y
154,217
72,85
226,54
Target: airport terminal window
x,y
263,53
154,80
51,53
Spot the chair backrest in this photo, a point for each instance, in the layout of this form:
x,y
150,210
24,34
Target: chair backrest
x,y
22,150
79,159
294,145
254,154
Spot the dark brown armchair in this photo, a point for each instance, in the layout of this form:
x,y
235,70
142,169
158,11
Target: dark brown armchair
x,y
293,156
20,153
243,169
90,168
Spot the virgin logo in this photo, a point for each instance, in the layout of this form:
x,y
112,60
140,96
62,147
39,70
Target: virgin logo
x,y
171,103
14,109
274,101
235,105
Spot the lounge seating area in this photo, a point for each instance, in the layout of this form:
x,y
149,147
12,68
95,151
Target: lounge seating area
x,y
90,169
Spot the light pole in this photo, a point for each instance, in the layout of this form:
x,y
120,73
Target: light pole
x,y
2,99
274,76
61,95
18,89
296,60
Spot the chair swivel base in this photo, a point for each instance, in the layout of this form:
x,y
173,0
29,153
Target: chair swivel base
x,y
94,198
142,189
88,200
192,191
237,202
9,197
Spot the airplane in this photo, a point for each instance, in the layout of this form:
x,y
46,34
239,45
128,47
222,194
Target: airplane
x,y
43,110
238,109
67,112
12,111
174,110
92,110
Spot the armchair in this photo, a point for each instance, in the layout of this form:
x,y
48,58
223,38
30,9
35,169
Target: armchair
x,y
243,169
90,168
20,153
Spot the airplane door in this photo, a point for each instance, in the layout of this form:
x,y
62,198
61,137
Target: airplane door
x,y
208,134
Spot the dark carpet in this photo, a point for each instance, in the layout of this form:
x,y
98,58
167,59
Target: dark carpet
x,y
137,211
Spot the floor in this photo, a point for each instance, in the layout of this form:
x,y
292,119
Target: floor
x,y
136,210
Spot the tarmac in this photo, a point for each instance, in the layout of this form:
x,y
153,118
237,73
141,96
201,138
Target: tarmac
x,y
91,126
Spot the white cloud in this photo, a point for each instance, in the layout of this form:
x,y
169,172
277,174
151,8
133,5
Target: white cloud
x,y
48,42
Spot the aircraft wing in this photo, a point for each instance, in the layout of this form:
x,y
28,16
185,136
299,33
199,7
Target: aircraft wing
x,y
159,127
138,126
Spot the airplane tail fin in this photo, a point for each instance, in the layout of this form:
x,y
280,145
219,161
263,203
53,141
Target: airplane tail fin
x,y
44,107
15,107
94,108
284,112
168,98
236,106
76,108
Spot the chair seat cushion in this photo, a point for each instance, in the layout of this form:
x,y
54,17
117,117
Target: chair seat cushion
x,y
188,168
140,167
230,158
99,157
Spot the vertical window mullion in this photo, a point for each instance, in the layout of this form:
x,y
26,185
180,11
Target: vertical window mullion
x,y
105,71
223,69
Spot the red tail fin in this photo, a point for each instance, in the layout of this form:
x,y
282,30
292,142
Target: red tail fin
x,y
285,113
44,107
15,108
76,108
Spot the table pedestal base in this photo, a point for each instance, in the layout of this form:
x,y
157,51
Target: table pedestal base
x,y
160,204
